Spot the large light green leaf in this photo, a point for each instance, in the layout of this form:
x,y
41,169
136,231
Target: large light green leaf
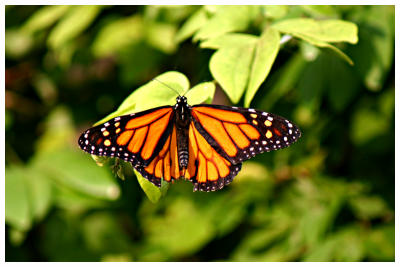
x,y
201,93
275,11
229,40
331,31
227,19
266,51
72,24
161,91
320,33
230,66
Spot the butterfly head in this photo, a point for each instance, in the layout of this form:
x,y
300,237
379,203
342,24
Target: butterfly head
x,y
181,101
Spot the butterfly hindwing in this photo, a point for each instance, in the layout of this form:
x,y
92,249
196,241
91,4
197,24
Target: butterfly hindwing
x,y
136,138
239,133
207,169
165,164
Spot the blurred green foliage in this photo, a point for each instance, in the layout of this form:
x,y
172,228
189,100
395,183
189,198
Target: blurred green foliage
x,y
330,69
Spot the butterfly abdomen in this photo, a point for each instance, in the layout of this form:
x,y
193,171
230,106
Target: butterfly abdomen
x,y
182,118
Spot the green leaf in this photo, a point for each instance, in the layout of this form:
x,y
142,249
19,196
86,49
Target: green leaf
x,y
59,130
230,66
201,93
330,31
195,22
17,206
161,36
80,175
44,18
376,41
328,46
71,200
229,40
283,80
17,43
266,51
169,232
275,11
369,207
102,232
320,11
380,243
77,19
153,94
227,19
366,125
117,35
40,193
153,192
320,33
341,91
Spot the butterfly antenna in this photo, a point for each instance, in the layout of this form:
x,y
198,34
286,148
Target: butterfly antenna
x,y
155,79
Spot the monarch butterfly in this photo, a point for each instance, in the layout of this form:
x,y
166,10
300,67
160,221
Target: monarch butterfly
x,y
205,144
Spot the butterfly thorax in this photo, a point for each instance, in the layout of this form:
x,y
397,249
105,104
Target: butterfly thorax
x,y
182,122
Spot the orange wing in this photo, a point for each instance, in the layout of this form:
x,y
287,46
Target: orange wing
x,y
137,138
238,134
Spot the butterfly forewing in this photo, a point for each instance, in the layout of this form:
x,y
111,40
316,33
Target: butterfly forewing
x,y
239,133
137,138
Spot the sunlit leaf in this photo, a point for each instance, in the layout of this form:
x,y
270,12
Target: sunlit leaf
x,y
330,31
161,91
266,51
275,11
227,19
229,40
201,93
230,66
